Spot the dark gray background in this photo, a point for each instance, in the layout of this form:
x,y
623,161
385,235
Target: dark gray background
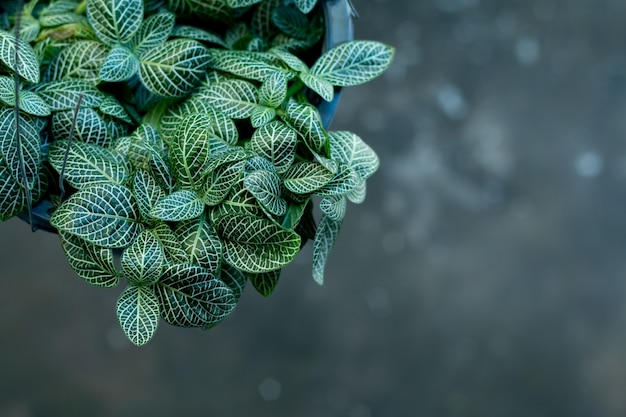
x,y
484,275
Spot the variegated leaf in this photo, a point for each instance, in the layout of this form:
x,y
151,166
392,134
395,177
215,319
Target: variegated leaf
x,y
235,279
153,32
30,102
265,282
291,21
119,65
261,23
350,149
13,197
115,21
80,60
178,206
254,244
319,85
262,115
190,150
192,32
305,6
191,296
173,68
334,207
138,312
147,193
216,10
91,263
27,66
239,202
90,127
220,182
86,164
257,66
111,107
143,261
232,154
28,155
290,59
200,243
353,63
306,119
276,142
236,98
274,90
174,251
64,94
241,3
343,182
357,196
306,177
325,237
257,163
103,214
265,187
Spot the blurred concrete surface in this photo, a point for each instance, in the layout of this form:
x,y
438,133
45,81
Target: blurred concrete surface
x,y
484,276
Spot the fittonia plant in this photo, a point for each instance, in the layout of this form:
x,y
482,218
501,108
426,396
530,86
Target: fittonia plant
x,y
183,135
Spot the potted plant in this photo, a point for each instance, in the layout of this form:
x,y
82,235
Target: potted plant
x,y
185,137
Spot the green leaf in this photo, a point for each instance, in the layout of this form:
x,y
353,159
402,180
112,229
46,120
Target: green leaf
x,y
357,196
173,68
103,214
265,283
190,151
353,63
89,127
119,65
111,107
239,202
216,10
190,296
344,181
221,125
87,164
319,85
178,206
200,242
138,313
256,245
143,261
147,193
290,59
236,98
325,237
262,115
13,198
305,118
30,102
30,147
80,60
153,32
27,66
173,248
295,211
64,94
265,187
305,6
276,142
274,90
231,154
261,23
350,149
115,21
234,279
257,66
192,32
334,207
221,181
241,3
306,177
91,263
291,22
257,163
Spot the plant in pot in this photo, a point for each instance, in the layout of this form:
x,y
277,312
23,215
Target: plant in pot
x,y
187,137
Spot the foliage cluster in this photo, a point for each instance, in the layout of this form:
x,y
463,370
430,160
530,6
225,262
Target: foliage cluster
x,y
182,134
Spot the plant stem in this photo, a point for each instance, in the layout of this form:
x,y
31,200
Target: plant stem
x,y
81,7
295,88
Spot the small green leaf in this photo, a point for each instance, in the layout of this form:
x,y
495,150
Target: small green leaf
x,y
64,94
147,193
91,263
190,296
295,211
357,196
216,10
265,187
89,127
241,3
305,6
261,23
291,22
344,181
30,102
200,243
276,142
192,32
239,202
119,65
30,151
265,282
257,66
143,261
334,207
103,214
235,279
350,149
153,32
80,60
262,115
87,164
174,251
111,107
221,181
27,65
306,177
256,245
274,90
173,68
13,198
115,21
353,63
325,237
305,118
178,206
232,154
138,313
190,151
236,98
290,59
319,85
